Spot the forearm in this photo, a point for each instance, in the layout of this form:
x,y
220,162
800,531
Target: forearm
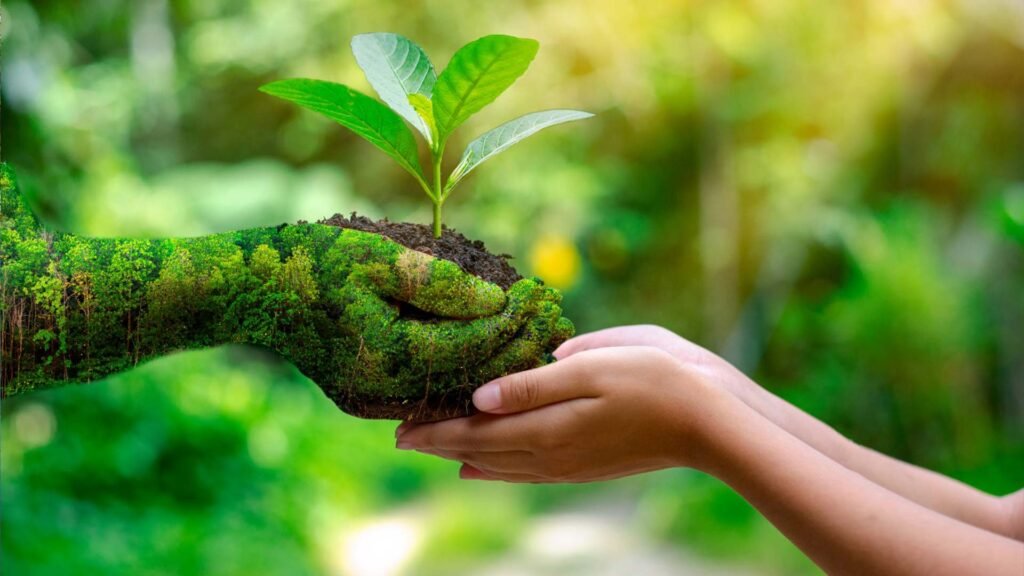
x,y
927,488
843,521
79,309
61,319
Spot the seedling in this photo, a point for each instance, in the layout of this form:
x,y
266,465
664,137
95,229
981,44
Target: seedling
x,y
436,105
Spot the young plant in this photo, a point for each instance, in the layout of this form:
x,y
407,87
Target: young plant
x,y
436,105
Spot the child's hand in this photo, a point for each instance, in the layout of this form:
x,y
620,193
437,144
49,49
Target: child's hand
x,y
596,415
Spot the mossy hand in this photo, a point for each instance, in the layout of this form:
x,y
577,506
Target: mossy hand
x,y
385,331
420,334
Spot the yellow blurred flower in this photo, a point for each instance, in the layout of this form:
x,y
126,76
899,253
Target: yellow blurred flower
x,y
554,259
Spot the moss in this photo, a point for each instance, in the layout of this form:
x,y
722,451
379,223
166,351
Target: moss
x,y
6,178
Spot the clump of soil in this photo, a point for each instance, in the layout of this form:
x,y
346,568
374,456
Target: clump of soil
x,y
471,255
432,408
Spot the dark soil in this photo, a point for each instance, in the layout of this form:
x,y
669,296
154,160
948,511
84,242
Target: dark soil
x,y
433,408
471,255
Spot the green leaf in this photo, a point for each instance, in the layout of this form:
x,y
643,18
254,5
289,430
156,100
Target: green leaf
x,y
396,68
495,141
357,112
425,108
477,74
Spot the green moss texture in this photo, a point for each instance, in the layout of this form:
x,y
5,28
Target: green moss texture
x,y
385,331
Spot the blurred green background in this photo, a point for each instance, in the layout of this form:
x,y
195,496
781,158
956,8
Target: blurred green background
x,y
831,194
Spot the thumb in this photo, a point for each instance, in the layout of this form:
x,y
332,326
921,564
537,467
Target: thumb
x,y
440,287
532,389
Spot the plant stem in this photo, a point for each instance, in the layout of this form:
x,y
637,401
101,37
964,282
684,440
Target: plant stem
x,y
438,197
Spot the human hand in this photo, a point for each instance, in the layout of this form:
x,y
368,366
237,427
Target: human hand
x,y
418,334
596,415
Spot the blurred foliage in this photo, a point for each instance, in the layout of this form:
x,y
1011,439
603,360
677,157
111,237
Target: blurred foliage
x,y
830,194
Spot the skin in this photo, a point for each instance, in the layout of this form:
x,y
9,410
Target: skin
x,y
385,331
634,399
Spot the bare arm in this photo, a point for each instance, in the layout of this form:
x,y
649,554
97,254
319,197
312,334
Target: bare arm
x,y
843,521
944,495
929,489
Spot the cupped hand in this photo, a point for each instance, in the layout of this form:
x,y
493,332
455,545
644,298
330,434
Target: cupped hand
x,y
418,334
595,415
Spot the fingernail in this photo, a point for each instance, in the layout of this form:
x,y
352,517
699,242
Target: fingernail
x,y
402,428
487,397
404,445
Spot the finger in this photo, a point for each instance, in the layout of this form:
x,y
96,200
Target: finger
x,y
480,433
469,472
558,382
402,428
453,347
433,285
580,343
529,348
607,338
435,361
365,309
513,461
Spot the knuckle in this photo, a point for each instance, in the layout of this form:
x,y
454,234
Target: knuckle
x,y
586,368
652,358
578,365
657,355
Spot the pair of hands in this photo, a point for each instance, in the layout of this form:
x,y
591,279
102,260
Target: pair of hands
x,y
618,402
634,399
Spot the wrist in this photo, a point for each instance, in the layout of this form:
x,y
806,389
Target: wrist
x,y
729,446
707,411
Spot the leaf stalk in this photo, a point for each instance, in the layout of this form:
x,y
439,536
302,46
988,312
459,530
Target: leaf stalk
x,y
438,195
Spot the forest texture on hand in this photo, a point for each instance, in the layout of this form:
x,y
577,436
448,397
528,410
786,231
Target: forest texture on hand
x,y
435,105
383,330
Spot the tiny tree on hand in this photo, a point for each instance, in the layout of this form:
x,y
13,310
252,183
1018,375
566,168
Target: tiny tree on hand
x,y
435,105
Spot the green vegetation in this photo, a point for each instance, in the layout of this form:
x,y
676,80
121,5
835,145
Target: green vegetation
x,y
78,309
435,105
829,193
